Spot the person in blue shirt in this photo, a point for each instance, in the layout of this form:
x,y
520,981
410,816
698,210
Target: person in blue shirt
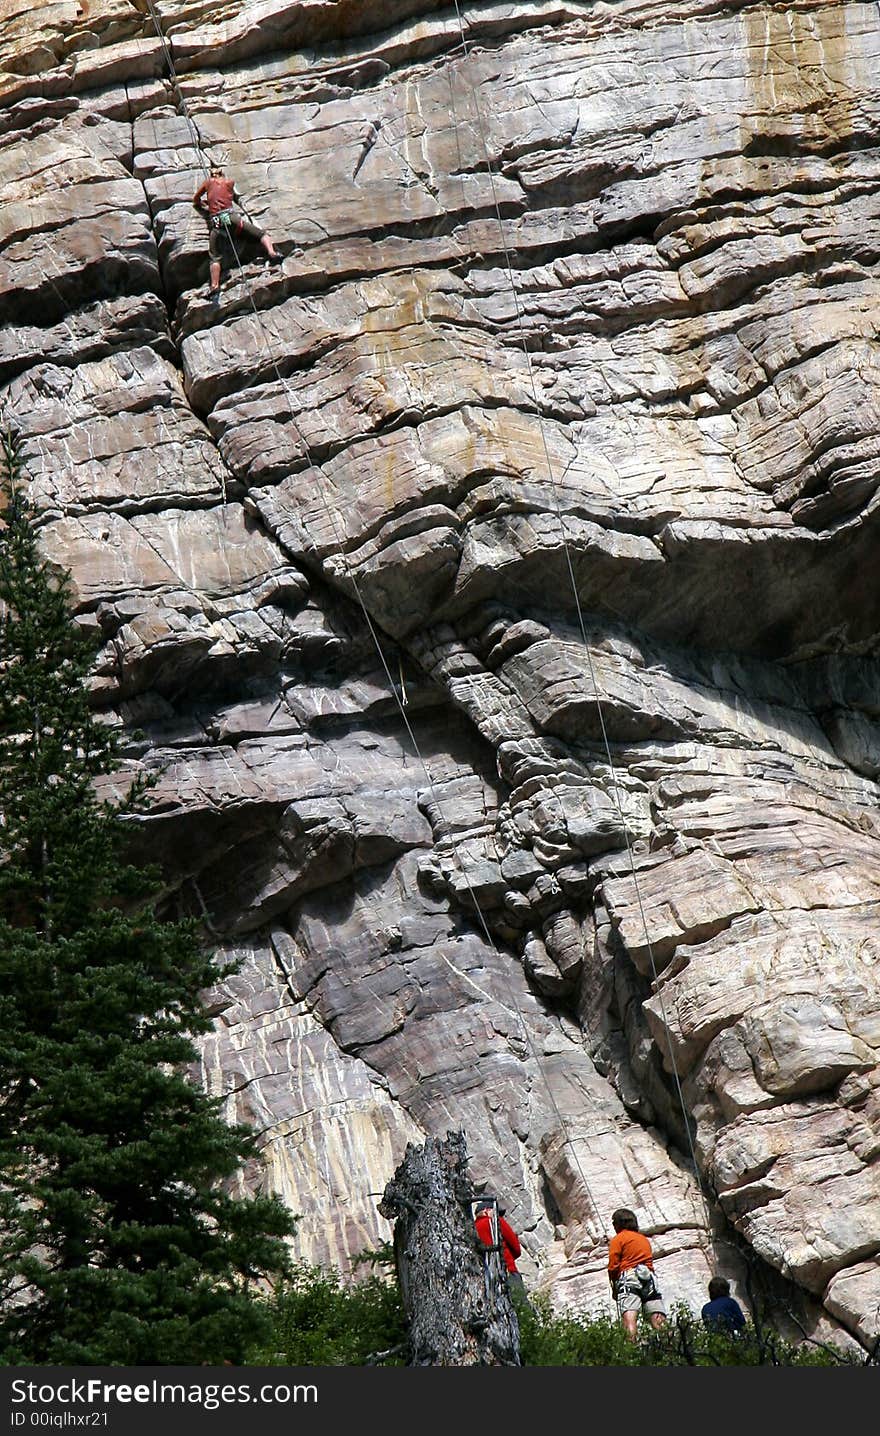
x,y
722,1312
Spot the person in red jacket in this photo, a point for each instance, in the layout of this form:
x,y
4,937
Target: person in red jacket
x,y
217,198
509,1242
631,1273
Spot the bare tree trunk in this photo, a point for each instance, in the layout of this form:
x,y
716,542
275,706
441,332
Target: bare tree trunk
x,y
454,1289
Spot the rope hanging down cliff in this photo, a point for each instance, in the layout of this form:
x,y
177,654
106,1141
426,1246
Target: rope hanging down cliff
x,y
658,987
353,582
481,918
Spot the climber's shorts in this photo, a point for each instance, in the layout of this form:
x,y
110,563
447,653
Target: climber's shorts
x,y
230,223
631,1299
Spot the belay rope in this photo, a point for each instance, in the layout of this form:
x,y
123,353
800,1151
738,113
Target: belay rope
x,y
743,1251
352,581
554,485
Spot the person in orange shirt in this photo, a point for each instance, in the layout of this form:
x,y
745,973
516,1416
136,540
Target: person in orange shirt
x,y
217,198
631,1273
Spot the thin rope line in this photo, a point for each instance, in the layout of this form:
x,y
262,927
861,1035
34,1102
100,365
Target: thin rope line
x,y
169,60
380,123
453,841
604,731
353,581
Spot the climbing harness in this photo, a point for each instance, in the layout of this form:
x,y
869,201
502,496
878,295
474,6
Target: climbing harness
x,y
641,1281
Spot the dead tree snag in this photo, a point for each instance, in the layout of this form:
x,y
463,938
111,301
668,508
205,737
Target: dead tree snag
x,y
454,1290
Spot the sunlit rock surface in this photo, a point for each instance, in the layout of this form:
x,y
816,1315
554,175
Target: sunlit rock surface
x,y
492,588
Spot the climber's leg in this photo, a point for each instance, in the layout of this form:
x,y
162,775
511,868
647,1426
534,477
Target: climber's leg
x,y
254,232
214,256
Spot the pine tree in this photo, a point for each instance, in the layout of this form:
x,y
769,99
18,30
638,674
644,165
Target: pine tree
x,y
118,1242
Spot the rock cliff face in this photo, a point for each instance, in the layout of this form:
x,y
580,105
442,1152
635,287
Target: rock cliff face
x,y
492,586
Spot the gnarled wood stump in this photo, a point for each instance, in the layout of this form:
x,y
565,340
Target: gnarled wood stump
x,y
454,1290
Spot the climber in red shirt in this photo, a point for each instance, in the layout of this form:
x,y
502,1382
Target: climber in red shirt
x,y
509,1241
217,198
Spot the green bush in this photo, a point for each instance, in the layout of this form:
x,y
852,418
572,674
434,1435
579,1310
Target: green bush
x,y
549,1340
319,1320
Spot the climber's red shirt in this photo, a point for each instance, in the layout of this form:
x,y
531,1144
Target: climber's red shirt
x,y
219,194
626,1249
510,1246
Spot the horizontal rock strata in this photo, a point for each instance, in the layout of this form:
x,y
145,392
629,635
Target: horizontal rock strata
x,y
490,588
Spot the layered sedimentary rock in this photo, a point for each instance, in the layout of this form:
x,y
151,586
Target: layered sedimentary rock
x,y
490,587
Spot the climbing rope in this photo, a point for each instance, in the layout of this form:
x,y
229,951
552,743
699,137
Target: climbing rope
x,y
375,129
481,918
355,586
184,110
580,616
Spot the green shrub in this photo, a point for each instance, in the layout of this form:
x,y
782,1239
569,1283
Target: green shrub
x,y
550,1340
318,1320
